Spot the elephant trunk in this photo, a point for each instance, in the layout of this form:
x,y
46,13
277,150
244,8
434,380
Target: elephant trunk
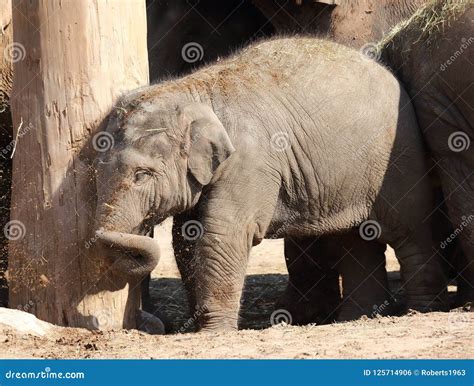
x,y
131,254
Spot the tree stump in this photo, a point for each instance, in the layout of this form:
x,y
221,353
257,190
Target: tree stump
x,y
73,58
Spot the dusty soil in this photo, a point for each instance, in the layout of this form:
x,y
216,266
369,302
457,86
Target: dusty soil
x,y
435,335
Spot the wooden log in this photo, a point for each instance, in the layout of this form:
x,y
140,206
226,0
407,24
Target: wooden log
x,y
75,58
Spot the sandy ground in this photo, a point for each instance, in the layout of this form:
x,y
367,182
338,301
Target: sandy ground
x,y
434,335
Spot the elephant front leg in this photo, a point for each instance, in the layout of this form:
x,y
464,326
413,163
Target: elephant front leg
x,y
186,231
221,261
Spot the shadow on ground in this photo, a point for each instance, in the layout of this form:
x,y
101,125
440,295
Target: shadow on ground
x,y
260,295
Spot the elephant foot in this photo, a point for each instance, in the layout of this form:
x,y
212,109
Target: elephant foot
x,y
352,310
429,304
464,295
319,307
149,323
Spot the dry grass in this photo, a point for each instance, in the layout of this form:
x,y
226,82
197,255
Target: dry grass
x,y
427,24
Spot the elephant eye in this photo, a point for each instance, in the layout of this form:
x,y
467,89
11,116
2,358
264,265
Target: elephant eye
x,y
142,176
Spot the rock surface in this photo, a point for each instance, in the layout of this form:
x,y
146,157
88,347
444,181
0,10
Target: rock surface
x,y
24,323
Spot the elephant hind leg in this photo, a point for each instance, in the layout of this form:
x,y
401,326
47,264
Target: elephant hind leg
x,y
423,280
312,294
364,279
458,187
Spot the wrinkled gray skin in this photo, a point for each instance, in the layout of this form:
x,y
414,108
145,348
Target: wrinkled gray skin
x,y
348,23
172,24
219,28
437,69
252,148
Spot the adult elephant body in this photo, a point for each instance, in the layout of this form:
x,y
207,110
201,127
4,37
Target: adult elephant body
x,y
185,34
354,23
257,149
432,53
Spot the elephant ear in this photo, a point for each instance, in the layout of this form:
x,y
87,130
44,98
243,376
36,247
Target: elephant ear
x,y
209,144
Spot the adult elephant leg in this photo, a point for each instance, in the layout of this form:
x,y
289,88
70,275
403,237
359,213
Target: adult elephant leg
x,y
364,278
312,294
423,280
458,185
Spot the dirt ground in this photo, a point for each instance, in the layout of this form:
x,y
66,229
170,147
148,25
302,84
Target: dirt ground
x,y
434,335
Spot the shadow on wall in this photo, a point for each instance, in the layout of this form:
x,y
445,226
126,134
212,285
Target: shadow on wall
x,y
6,147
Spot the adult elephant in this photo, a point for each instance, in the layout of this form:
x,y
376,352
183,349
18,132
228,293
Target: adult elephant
x,y
185,34
351,22
432,53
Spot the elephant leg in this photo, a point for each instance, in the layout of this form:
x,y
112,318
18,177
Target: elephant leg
x,y
364,278
458,187
312,294
220,264
185,232
423,280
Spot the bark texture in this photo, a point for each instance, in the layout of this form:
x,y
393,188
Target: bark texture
x,y
77,57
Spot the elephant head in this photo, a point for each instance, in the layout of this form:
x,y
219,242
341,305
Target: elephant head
x,y
158,159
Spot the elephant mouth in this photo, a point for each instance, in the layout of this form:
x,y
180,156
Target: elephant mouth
x,y
129,254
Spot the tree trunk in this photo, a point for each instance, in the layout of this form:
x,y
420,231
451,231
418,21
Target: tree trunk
x,y
75,58
6,78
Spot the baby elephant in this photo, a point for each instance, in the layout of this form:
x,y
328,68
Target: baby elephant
x,y
294,138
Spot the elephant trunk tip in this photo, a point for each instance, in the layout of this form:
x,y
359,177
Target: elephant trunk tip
x,y
130,254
